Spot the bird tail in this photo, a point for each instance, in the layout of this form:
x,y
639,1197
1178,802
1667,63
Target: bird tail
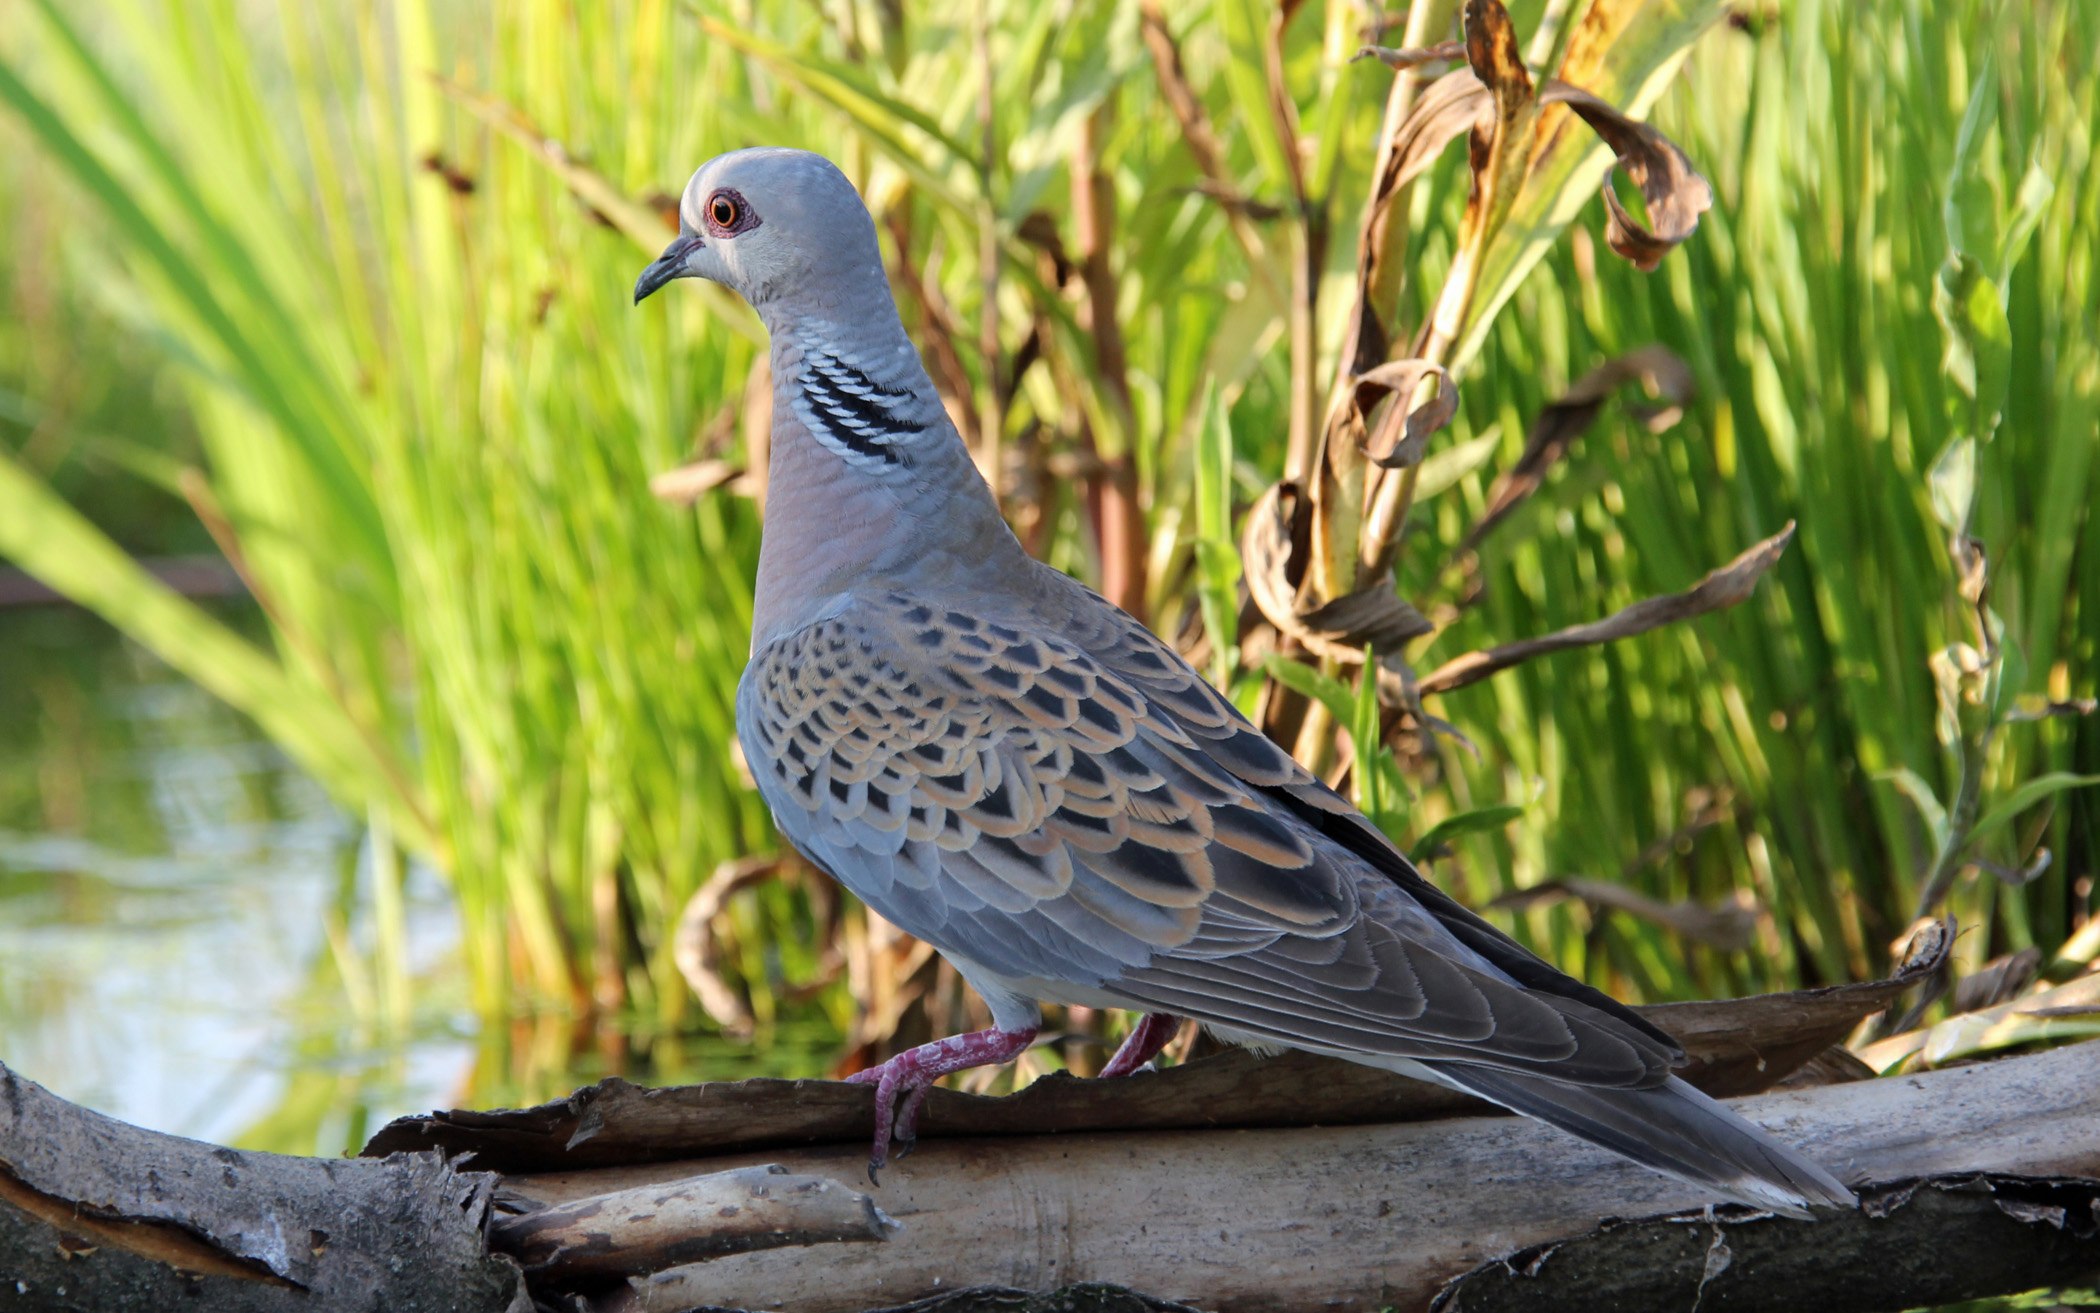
x,y
1672,1128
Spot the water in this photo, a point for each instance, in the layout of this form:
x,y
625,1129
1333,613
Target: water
x,y
180,925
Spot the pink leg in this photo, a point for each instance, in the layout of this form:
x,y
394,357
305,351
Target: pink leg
x,y
913,1072
1143,1044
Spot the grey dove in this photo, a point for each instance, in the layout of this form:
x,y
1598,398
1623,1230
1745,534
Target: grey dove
x,y
1013,769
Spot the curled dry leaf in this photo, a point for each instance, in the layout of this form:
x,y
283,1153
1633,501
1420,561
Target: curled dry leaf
x,y
1661,374
1373,615
695,949
1461,101
1998,981
1722,588
1676,195
1404,378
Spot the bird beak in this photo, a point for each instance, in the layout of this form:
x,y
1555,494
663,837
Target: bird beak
x,y
669,265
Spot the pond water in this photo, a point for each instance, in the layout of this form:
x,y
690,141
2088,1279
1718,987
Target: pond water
x,y
179,913
186,939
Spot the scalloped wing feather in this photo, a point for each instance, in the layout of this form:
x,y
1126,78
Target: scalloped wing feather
x,y
1074,805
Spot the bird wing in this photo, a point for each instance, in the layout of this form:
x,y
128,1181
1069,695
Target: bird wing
x,y
1059,805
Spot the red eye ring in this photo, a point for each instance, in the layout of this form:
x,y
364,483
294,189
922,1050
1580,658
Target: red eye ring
x,y
723,211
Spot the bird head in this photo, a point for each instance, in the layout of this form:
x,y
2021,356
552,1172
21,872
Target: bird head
x,y
775,226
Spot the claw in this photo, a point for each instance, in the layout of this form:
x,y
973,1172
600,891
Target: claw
x,y
1142,1044
913,1072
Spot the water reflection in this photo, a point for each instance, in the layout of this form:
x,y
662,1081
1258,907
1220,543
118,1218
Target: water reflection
x,y
187,939
181,925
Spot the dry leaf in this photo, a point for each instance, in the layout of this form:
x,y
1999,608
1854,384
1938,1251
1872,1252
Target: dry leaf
x,y
1403,379
1730,925
1722,588
1661,375
1464,100
1375,615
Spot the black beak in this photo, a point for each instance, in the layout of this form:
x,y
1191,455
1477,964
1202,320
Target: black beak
x,y
669,265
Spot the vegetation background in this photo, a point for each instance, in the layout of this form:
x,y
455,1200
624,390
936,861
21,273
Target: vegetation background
x,y
340,292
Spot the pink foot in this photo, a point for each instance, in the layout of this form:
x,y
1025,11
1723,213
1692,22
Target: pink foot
x,y
913,1072
1143,1044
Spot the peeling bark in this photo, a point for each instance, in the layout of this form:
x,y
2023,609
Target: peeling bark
x,y
645,1229
1915,1243
96,1215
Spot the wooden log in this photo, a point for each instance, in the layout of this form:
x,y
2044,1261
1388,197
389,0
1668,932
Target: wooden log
x,y
1914,1243
648,1228
1350,1217
1735,1046
95,1214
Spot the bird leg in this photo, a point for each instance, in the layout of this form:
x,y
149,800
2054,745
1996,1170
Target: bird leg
x,y
1142,1044
913,1072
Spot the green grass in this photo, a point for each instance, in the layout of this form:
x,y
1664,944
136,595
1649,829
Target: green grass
x,y
427,417
1805,309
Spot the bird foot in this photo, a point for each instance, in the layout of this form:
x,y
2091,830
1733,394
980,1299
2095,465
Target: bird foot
x,y
1143,1044
913,1072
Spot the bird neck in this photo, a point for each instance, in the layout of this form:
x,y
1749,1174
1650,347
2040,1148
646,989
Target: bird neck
x,y
869,485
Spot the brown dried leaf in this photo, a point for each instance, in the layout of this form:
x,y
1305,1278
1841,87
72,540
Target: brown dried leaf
x,y
1492,54
1721,588
1341,628
1675,193
1454,104
1404,378
1998,981
695,951
1659,371
1460,101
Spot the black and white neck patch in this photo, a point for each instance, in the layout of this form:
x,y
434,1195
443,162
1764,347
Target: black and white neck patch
x,y
864,421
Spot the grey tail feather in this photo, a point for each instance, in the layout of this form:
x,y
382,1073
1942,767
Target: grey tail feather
x,y
1672,1128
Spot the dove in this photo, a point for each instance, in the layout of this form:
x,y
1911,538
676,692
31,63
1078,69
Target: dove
x,y
1006,765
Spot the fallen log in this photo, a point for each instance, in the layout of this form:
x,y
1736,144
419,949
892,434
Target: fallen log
x,y
1734,1046
1370,1217
97,1214
1978,1180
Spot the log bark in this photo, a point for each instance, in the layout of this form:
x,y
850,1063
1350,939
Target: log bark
x,y
99,1215
1735,1046
1369,1217
1912,1244
648,1228
1978,1180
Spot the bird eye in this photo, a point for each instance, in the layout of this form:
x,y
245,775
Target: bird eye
x,y
723,211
